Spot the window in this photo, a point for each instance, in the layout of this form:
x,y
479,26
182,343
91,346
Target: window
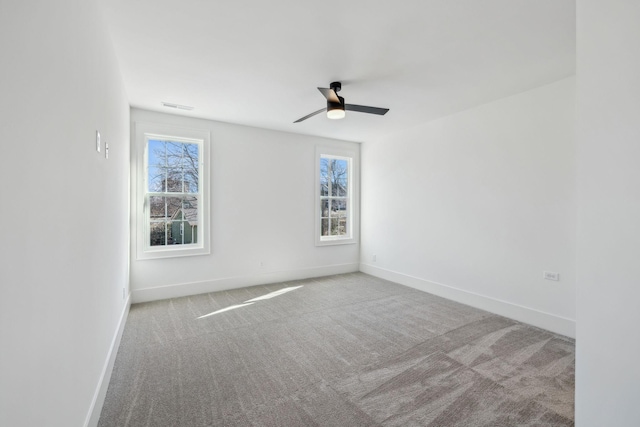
x,y
334,195
173,168
172,219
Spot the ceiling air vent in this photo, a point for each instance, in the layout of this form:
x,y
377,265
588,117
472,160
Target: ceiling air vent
x,y
178,106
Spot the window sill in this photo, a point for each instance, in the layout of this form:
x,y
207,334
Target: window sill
x,y
336,241
172,253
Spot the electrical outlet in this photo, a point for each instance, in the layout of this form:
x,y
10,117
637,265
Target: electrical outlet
x,y
98,141
261,263
550,275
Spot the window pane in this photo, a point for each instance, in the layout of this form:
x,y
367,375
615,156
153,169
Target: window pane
x,y
173,220
183,233
190,183
339,169
334,224
190,168
157,233
156,167
324,168
173,166
339,177
324,227
174,154
338,207
155,178
173,159
324,208
190,232
342,188
177,232
190,216
324,187
157,207
342,226
174,206
341,165
178,216
190,202
174,180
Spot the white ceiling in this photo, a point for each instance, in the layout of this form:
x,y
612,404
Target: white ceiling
x,y
258,63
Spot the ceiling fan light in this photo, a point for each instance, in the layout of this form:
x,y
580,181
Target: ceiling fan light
x,y
336,113
335,110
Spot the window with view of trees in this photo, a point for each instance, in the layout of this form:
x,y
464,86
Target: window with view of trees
x,y
172,190
334,182
172,217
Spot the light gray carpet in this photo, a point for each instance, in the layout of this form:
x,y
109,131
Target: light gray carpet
x,y
347,350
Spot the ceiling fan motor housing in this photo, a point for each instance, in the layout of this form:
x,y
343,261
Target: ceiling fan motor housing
x,y
331,105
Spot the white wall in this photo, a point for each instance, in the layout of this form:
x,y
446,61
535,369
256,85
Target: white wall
x,y
608,281
262,210
476,205
64,209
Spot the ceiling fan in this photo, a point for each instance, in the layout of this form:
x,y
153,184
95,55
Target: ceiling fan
x,y
336,106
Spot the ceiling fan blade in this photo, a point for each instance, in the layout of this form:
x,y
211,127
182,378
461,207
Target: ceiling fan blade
x,y
365,109
330,94
310,115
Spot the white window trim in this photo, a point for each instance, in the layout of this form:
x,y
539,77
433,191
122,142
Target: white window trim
x,y
179,134
353,226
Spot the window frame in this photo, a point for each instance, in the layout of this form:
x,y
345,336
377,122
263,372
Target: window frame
x,y
153,131
352,197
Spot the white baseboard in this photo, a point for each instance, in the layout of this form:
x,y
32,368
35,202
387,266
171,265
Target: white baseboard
x,y
226,283
550,322
103,385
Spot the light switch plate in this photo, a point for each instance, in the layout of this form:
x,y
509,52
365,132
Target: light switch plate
x,y
98,141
